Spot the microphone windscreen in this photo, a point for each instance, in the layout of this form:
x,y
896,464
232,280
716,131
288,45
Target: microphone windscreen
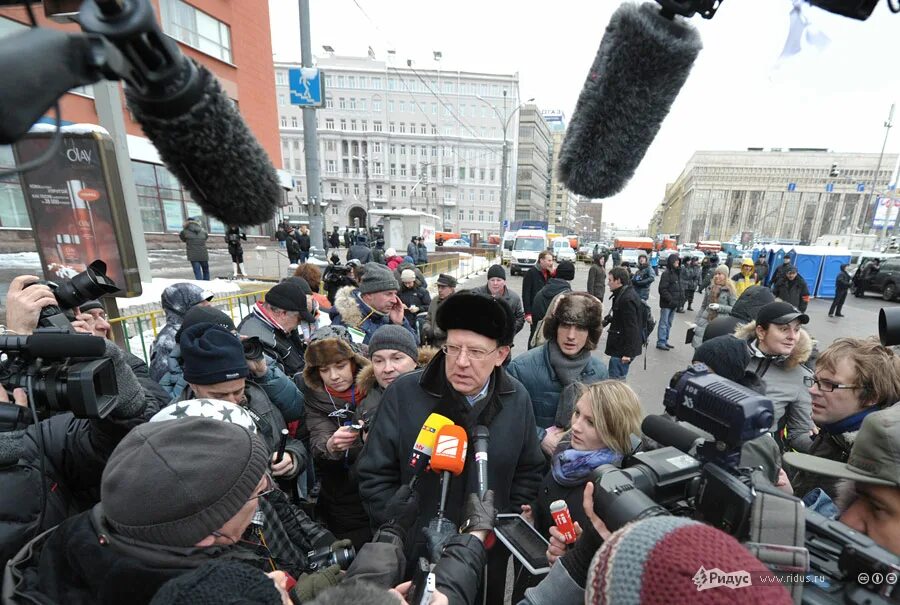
x,y
643,61
212,152
450,449
61,346
669,433
424,445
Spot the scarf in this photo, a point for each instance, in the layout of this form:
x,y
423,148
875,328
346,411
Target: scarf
x,y
850,423
260,312
349,396
568,370
571,468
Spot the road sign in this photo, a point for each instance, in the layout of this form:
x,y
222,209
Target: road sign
x,y
505,225
792,186
860,187
306,86
829,187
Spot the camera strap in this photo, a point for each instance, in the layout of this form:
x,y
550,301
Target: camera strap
x,y
778,535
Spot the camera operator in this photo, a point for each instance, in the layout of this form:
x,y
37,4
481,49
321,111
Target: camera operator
x,y
336,277
854,378
869,486
69,453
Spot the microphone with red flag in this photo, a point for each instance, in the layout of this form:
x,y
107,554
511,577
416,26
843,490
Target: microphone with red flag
x,y
424,446
448,458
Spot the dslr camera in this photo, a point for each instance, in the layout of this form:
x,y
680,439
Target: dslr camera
x,y
89,284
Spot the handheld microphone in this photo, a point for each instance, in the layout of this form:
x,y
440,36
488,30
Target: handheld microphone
x,y
421,454
449,457
643,61
559,510
669,433
281,445
480,438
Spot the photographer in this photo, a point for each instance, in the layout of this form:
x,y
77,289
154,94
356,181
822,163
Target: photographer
x,y
69,453
275,320
336,277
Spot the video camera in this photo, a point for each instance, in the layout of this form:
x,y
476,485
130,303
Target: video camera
x,y
62,372
88,285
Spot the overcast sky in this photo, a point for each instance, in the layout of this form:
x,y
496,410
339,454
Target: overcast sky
x,y
737,96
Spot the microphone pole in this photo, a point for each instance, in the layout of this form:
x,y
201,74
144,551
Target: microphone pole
x,y
480,439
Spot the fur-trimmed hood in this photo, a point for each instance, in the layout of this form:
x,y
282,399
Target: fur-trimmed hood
x,y
325,351
365,379
800,354
351,308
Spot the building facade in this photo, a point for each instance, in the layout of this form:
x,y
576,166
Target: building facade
x,y
562,207
232,40
590,218
393,137
533,164
791,194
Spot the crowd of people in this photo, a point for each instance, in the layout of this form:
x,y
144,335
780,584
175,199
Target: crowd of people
x,y
242,457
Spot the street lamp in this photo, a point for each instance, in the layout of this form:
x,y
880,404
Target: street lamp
x,y
504,123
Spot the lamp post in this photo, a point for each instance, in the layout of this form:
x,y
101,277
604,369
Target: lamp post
x,y
504,123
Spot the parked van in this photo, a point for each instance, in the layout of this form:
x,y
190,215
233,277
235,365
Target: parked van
x,y
509,238
528,245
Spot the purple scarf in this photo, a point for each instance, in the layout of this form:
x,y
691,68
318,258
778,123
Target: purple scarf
x,y
571,468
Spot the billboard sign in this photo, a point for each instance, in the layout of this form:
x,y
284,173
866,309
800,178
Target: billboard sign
x,y
885,208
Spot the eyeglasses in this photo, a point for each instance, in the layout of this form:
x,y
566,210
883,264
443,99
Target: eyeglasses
x,y
826,386
456,351
268,489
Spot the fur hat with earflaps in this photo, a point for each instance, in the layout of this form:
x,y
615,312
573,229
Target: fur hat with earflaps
x,y
323,351
581,309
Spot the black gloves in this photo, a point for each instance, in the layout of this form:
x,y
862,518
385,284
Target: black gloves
x,y
479,513
403,507
578,559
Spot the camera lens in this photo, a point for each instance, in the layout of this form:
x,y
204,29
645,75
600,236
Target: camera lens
x,y
253,348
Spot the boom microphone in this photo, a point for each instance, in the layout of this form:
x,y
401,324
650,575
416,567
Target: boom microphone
x,y
421,454
182,109
669,433
480,438
643,61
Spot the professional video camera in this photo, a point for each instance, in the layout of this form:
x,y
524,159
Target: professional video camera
x,y
698,478
88,285
336,277
62,371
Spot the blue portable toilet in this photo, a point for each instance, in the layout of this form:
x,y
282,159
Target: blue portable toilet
x,y
831,266
808,260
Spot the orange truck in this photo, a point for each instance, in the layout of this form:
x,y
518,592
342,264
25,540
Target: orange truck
x,y
633,243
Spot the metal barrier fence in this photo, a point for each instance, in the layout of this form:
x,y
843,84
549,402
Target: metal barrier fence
x,y
135,327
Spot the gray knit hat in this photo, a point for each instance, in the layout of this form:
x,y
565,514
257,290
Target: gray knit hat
x,y
174,483
393,337
377,278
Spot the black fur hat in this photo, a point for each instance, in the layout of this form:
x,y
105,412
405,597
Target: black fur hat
x,y
481,314
578,308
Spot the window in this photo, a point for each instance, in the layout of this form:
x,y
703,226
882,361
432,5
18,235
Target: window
x,y
376,105
352,104
379,190
493,174
481,216
196,29
390,106
329,103
329,145
472,173
377,168
342,103
346,188
341,83
434,109
391,127
329,124
393,149
402,169
412,170
364,125
334,210
343,124
352,124
433,171
281,101
376,147
376,126
351,82
330,166
448,172
491,197
362,81
280,78
393,191
334,188
462,215
356,189
402,127
433,151
376,83
471,196
433,129
293,121
481,195
393,169
402,149
392,84
471,214
284,121
403,106
362,104
462,173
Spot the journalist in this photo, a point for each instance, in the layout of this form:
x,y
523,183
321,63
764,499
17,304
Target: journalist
x,y
275,322
69,453
446,285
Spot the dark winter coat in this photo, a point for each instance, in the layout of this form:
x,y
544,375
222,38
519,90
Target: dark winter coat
x,y
762,270
378,256
303,240
194,236
516,461
350,310
596,283
690,277
793,291
233,238
334,240
417,296
512,299
623,337
411,250
534,371
842,282
176,300
642,279
542,299
671,294
535,279
433,334
421,254
361,252
285,348
152,388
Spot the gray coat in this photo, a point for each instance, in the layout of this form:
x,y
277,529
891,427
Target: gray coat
x,y
512,299
596,283
194,236
726,301
690,277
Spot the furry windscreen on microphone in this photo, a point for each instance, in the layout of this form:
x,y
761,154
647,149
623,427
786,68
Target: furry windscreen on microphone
x,y
212,152
643,61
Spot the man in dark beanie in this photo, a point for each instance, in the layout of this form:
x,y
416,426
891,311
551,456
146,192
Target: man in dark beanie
x,y
275,320
373,304
466,383
393,353
446,286
496,287
215,368
556,285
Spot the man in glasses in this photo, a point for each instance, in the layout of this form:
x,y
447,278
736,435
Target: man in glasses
x,y
854,377
466,383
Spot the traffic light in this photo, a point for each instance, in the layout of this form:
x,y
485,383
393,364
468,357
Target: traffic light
x,y
834,170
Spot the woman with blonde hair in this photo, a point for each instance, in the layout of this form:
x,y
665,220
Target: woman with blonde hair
x,y
720,296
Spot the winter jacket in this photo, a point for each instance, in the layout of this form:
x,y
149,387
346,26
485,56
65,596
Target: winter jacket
x,y
743,282
535,279
417,296
784,385
534,371
793,291
671,294
269,422
334,240
304,241
596,283
393,262
690,277
421,254
516,461
411,250
842,282
512,299
361,252
292,248
157,397
623,337
420,277
366,383
726,301
780,274
194,236
542,299
287,348
433,334
642,279
176,300
762,270
70,453
233,238
378,255
350,310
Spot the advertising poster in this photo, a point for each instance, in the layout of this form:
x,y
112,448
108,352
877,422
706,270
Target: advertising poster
x,y
76,208
885,208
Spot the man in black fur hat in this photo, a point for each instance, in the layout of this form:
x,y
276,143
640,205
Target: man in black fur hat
x,y
466,383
